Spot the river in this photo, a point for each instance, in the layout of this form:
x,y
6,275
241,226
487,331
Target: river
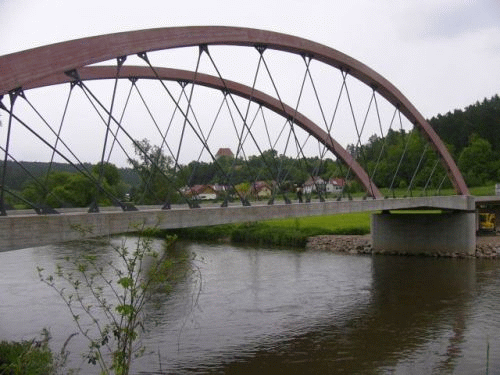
x,y
266,311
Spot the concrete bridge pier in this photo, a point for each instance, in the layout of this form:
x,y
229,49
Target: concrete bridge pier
x,y
452,232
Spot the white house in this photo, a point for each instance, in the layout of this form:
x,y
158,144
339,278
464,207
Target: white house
x,y
334,185
313,184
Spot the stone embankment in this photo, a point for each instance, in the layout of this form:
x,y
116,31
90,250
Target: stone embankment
x,y
487,246
340,244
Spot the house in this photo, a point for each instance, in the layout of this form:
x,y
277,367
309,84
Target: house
x,y
202,192
261,189
220,189
314,184
224,152
334,185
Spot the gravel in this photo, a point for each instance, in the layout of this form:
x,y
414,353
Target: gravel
x,y
486,247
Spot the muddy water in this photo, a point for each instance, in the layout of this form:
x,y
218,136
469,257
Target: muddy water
x,y
254,310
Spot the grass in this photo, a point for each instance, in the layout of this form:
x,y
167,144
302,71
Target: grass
x,y
482,190
26,357
212,233
352,223
477,191
283,232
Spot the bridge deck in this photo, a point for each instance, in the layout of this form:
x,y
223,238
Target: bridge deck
x,y
23,230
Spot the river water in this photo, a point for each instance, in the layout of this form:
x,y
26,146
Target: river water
x,y
265,311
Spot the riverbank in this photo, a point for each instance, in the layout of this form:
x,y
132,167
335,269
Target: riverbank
x,y
486,247
350,244
342,233
293,232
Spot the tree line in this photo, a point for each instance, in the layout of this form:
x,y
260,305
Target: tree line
x,y
403,159
399,159
473,138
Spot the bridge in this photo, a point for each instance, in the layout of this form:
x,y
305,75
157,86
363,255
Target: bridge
x,y
166,100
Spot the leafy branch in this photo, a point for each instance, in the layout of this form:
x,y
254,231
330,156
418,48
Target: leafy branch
x,y
106,301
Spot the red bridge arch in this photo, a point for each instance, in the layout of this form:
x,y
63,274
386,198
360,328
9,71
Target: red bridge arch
x,y
21,69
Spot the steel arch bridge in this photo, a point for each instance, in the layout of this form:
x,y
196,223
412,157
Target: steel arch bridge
x,y
266,82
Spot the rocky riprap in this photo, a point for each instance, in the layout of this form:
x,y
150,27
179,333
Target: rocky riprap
x,y
486,248
340,244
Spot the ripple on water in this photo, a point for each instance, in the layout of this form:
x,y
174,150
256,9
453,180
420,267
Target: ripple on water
x,y
259,310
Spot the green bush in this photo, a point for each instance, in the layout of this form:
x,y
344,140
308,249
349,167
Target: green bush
x,y
84,285
213,233
26,357
262,234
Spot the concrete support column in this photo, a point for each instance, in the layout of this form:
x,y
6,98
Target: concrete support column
x,y
424,233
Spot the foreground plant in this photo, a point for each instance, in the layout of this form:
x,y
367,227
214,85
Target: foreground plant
x,y
107,299
26,357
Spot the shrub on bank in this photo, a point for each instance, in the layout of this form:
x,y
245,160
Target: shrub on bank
x,y
26,357
213,233
262,234
287,232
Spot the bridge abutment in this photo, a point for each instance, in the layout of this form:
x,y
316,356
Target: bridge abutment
x,y
424,233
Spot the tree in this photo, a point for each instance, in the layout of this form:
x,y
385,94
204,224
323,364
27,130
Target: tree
x,y
476,161
76,189
481,118
109,171
243,189
106,300
157,173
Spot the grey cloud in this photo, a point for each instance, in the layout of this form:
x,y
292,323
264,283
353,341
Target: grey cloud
x,y
453,19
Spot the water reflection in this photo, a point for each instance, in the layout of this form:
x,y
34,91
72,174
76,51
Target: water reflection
x,y
411,300
415,299
274,311
254,299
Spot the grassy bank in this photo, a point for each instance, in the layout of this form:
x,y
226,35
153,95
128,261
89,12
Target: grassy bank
x,y
417,192
294,232
283,232
27,357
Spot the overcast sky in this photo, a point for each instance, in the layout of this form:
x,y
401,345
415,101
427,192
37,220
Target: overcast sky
x,y
442,54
